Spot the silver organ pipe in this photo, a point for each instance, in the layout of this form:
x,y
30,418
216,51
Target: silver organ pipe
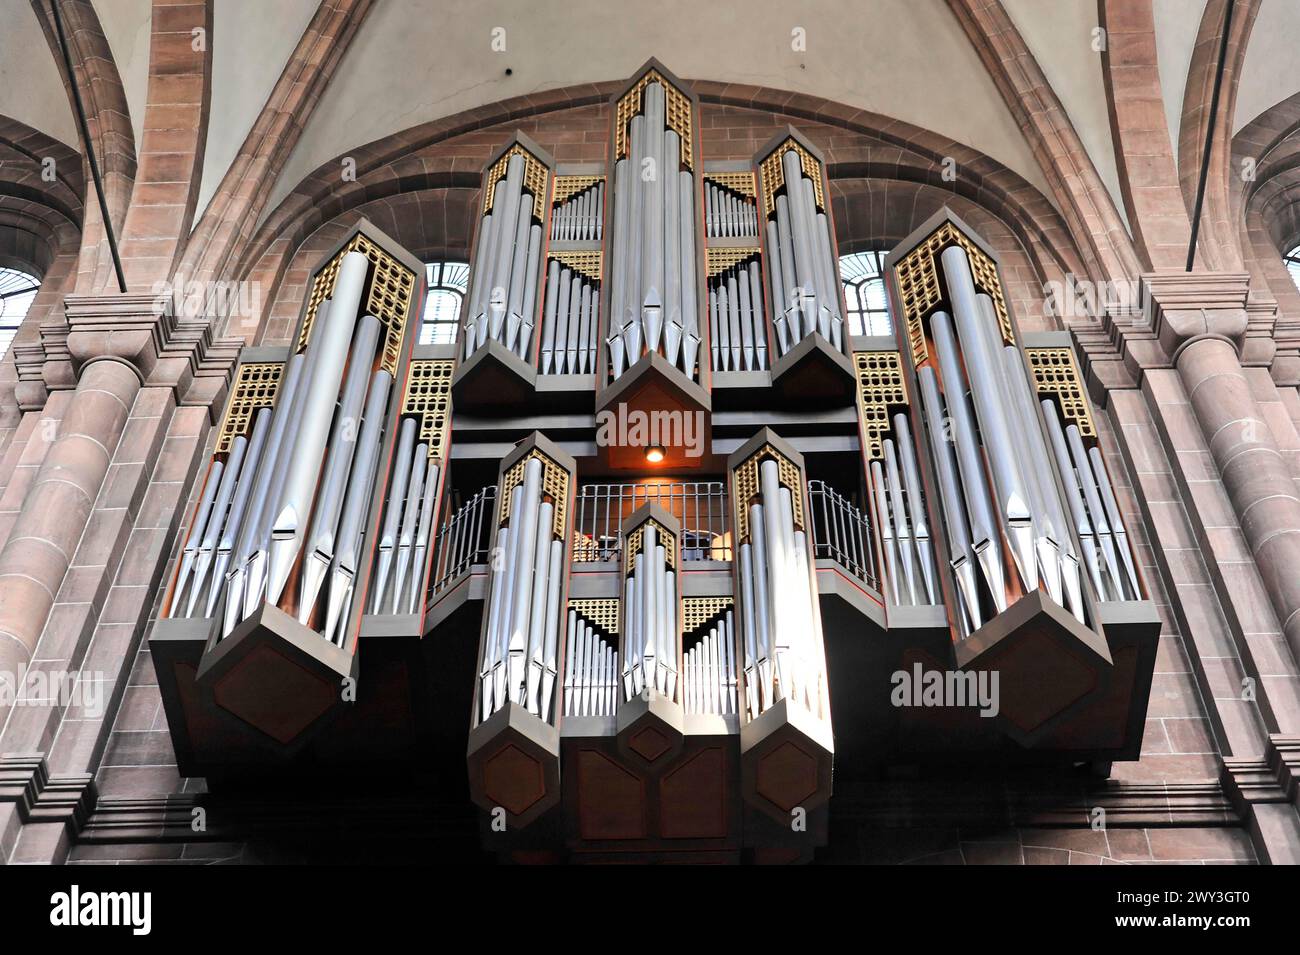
x,y
518,661
343,440
737,329
579,218
590,670
503,300
789,658
709,670
729,214
654,247
571,317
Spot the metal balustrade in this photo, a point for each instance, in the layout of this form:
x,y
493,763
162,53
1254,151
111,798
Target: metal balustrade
x,y
701,506
465,538
841,533
840,530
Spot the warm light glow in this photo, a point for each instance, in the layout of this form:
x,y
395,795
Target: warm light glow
x,y
654,454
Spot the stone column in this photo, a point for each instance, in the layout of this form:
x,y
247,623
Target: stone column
x,y
1201,320
57,506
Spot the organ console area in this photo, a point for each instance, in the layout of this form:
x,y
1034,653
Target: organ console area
x,y
619,648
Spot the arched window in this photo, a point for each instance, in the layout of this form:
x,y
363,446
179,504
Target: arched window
x,y
1292,260
865,302
448,283
17,289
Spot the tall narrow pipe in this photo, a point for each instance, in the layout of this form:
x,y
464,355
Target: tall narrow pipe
x,y
230,532
312,428
386,552
342,445
347,556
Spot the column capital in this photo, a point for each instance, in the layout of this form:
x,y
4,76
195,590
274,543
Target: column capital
x,y
1182,307
143,332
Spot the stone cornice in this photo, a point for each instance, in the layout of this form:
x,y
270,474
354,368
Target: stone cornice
x,y
41,797
140,330
1273,777
1177,308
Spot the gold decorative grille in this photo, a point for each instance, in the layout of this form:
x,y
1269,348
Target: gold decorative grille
x,y
555,483
428,397
566,187
1056,373
535,176
254,387
747,487
601,612
677,114
918,285
719,260
391,288
697,611
634,545
880,386
589,263
741,182
774,175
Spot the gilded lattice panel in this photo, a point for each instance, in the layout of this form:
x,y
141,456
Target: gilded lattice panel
x,y
774,175
697,611
677,113
391,288
635,542
428,398
918,285
880,387
565,188
589,263
535,177
255,386
741,182
719,260
747,488
1056,373
555,484
599,612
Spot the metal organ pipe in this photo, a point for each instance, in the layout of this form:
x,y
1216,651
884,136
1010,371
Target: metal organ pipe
x,y
343,439
984,539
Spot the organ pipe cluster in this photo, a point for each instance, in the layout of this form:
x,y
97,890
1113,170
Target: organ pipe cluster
x,y
518,662
651,612
728,213
780,618
572,317
406,524
281,518
591,678
709,670
653,244
911,576
1024,505
801,258
737,330
502,305
580,217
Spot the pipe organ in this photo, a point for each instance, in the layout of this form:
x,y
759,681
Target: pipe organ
x,y
578,213
803,267
506,264
654,272
651,612
990,492
572,314
591,663
676,675
737,329
278,555
517,705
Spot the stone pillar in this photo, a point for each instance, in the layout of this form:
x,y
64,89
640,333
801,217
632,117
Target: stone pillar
x,y
1201,320
55,511
115,345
